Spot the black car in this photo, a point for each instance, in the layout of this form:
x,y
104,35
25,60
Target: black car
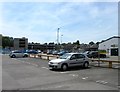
x,y
32,52
61,53
96,54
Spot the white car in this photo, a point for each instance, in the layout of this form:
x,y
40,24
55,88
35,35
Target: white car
x,y
18,53
69,60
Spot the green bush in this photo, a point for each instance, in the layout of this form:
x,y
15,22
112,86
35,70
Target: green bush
x,y
102,51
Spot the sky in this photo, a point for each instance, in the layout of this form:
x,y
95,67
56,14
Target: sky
x,y
39,21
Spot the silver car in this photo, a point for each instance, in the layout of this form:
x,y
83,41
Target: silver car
x,y
18,53
69,60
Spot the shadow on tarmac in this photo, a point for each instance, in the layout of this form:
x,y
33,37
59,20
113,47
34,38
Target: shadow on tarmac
x,y
70,69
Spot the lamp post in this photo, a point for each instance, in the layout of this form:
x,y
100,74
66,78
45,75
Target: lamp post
x,y
58,35
61,41
61,38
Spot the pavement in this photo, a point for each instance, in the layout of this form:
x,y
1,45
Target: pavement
x,y
34,74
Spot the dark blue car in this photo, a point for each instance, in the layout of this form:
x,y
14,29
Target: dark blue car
x,y
32,52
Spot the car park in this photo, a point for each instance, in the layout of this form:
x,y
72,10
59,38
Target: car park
x,y
69,60
17,53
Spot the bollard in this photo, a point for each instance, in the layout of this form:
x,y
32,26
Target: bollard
x,y
110,64
47,57
40,56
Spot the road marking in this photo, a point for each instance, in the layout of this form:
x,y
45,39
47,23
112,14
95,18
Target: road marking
x,y
84,78
74,75
26,62
101,82
63,72
18,60
60,86
45,67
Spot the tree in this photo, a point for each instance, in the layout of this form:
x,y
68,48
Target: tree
x,y
77,42
91,43
97,43
7,41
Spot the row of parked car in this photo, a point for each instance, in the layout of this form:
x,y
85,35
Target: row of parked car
x,y
22,53
25,53
55,52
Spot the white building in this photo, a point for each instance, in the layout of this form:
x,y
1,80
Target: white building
x,y
111,45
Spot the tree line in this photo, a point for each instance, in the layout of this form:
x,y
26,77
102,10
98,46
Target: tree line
x,y
9,41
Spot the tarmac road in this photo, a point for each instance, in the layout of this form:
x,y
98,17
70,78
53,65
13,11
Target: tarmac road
x,y
34,74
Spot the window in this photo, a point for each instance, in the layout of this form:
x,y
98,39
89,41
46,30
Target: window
x,y
73,57
81,56
77,56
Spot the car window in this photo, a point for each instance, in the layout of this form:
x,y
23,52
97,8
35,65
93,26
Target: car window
x,y
73,57
65,56
17,52
80,56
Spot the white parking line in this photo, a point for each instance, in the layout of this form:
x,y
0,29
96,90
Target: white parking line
x,y
26,62
74,75
59,86
102,82
45,68
84,78
63,72
18,60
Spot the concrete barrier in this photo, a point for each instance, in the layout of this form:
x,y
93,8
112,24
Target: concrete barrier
x,y
110,62
44,56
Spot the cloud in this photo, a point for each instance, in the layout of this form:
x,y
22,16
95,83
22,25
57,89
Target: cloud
x,y
39,21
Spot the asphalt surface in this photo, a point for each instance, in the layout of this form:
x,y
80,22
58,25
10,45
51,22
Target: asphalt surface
x,y
34,74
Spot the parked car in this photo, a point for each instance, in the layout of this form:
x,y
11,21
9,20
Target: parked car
x,y
55,52
95,54
61,53
39,51
69,60
86,53
18,53
49,52
32,52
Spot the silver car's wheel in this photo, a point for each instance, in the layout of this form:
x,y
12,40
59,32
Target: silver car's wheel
x,y
86,64
64,67
13,56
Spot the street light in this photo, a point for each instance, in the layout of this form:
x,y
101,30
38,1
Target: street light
x,y
58,35
61,38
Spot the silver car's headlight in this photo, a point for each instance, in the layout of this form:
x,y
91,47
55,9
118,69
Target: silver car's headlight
x,y
59,63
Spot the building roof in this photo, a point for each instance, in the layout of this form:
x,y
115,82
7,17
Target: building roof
x,y
110,38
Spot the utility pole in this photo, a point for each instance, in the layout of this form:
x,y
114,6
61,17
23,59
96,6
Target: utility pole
x,y
58,35
61,38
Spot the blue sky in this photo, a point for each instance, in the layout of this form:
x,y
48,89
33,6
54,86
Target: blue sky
x,y
38,21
